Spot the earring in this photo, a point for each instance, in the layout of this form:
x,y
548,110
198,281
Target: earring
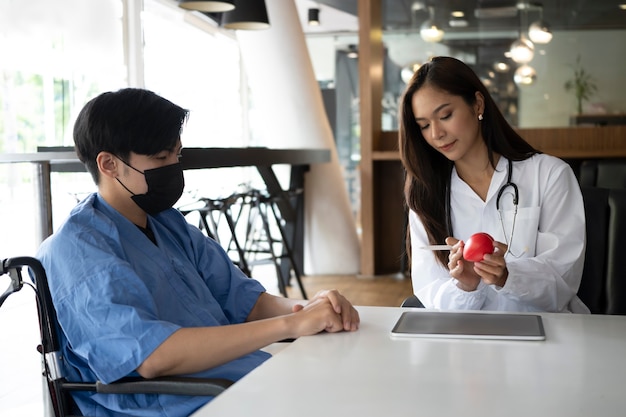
x,y
480,116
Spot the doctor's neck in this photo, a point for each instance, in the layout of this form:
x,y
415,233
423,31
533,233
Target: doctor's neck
x,y
476,168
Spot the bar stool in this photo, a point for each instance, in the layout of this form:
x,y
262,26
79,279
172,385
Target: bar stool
x,y
252,219
211,212
263,220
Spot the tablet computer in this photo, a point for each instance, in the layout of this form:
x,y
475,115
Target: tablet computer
x,y
469,325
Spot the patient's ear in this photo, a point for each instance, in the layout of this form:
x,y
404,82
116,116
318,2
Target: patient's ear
x,y
108,164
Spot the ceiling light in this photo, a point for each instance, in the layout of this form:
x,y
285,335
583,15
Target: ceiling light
x,y
248,15
458,22
207,5
457,13
539,32
418,5
353,52
429,30
501,67
407,72
522,51
314,16
525,75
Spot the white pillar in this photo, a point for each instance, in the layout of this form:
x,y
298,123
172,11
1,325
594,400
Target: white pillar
x,y
283,83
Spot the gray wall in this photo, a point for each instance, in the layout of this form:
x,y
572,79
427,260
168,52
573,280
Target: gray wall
x,y
603,54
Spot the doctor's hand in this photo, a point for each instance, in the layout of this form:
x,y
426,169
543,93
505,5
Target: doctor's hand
x,y
461,269
492,269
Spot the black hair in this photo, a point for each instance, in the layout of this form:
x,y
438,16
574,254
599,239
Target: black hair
x,y
128,120
427,179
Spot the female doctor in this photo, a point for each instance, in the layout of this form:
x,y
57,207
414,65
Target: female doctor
x,y
468,171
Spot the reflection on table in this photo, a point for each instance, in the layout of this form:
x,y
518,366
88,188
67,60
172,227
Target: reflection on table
x,y
577,371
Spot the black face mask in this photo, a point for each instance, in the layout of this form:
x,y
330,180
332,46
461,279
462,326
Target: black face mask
x,y
165,186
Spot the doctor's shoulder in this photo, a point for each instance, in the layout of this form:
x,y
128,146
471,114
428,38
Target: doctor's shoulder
x,y
545,165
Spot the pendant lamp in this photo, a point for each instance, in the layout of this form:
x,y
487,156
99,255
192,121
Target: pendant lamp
x,y
525,75
407,72
430,31
207,5
247,15
522,51
539,32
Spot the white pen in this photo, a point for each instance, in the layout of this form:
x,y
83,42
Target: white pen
x,y
437,247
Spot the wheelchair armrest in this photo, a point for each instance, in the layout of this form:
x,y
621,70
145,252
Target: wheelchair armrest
x,y
166,385
162,385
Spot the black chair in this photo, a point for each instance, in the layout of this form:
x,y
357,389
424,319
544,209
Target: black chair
x,y
412,301
59,388
605,173
603,285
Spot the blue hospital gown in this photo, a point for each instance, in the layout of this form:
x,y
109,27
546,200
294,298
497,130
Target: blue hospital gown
x,y
118,297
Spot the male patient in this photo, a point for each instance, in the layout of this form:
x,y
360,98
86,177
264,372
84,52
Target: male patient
x,y
137,289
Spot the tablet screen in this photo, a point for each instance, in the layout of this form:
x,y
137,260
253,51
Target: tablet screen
x,y
470,325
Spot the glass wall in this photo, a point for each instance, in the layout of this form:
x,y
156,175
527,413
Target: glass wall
x,y
57,55
544,102
335,60
191,61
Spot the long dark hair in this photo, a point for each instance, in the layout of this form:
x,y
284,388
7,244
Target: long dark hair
x,y
427,172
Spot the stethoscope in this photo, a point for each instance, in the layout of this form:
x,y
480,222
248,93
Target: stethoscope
x,y
508,184
511,184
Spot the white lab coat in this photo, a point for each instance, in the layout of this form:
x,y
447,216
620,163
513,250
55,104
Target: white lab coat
x,y
548,239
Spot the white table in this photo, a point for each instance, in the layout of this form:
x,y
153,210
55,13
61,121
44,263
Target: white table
x,y
579,370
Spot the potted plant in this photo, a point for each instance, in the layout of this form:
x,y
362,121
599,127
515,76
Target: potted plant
x,y
583,85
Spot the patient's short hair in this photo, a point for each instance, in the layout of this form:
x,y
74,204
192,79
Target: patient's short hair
x,y
125,121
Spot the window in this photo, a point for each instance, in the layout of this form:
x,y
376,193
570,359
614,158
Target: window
x,y
55,56
189,60
193,63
